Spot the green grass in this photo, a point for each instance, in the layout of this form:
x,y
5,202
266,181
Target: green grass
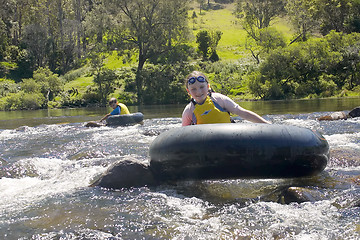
x,y
230,48
232,43
80,83
113,61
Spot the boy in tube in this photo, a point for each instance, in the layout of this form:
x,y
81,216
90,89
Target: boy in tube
x,y
119,109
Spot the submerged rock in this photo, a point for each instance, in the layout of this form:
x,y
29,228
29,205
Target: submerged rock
x,y
341,115
300,195
126,174
333,116
94,124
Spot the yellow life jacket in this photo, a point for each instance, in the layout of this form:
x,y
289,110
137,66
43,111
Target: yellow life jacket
x,y
210,112
123,109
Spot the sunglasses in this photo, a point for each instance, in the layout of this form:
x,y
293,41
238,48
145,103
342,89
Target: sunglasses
x,y
192,80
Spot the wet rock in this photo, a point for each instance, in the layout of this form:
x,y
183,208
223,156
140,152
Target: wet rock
x,y
22,128
346,200
151,132
341,115
126,174
300,195
94,124
355,112
333,116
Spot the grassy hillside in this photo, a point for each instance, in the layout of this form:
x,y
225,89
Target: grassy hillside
x,y
230,48
232,43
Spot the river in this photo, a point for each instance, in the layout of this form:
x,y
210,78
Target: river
x,y
48,159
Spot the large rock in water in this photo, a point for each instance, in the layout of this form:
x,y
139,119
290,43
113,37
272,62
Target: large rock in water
x,y
341,115
355,112
125,174
333,116
300,194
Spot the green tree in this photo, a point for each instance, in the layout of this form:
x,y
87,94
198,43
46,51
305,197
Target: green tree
x,y
50,83
30,86
257,14
295,71
338,15
98,22
149,28
7,87
207,43
268,39
105,81
201,4
3,40
203,40
215,37
304,17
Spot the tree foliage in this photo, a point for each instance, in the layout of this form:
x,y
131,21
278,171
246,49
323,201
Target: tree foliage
x,y
257,14
43,39
151,28
268,39
105,81
207,43
309,68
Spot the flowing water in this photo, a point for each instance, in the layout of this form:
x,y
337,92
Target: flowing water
x,y
48,159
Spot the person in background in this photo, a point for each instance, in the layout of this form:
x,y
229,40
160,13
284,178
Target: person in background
x,y
208,107
119,109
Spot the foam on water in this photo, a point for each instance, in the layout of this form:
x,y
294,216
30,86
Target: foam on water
x,y
346,140
54,176
49,167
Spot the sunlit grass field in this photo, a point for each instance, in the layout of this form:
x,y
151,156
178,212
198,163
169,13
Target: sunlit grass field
x,y
231,45
233,39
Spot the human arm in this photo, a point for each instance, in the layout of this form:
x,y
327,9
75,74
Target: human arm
x,y
116,111
105,117
187,115
234,108
250,116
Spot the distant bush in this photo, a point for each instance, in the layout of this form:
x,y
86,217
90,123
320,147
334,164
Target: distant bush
x,y
225,76
30,85
224,1
7,87
22,100
317,67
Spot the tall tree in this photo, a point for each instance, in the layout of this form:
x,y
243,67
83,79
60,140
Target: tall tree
x,y
304,17
149,27
257,14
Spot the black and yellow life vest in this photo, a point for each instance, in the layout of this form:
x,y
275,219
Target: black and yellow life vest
x,y
210,112
123,109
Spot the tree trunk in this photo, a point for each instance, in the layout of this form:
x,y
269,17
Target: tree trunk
x,y
78,27
139,79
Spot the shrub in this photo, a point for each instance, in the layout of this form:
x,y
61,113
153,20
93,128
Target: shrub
x,y
7,87
22,100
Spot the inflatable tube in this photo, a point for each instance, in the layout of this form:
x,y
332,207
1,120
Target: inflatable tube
x,y
218,151
125,119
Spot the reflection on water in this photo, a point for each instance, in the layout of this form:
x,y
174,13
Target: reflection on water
x,y
302,106
74,115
